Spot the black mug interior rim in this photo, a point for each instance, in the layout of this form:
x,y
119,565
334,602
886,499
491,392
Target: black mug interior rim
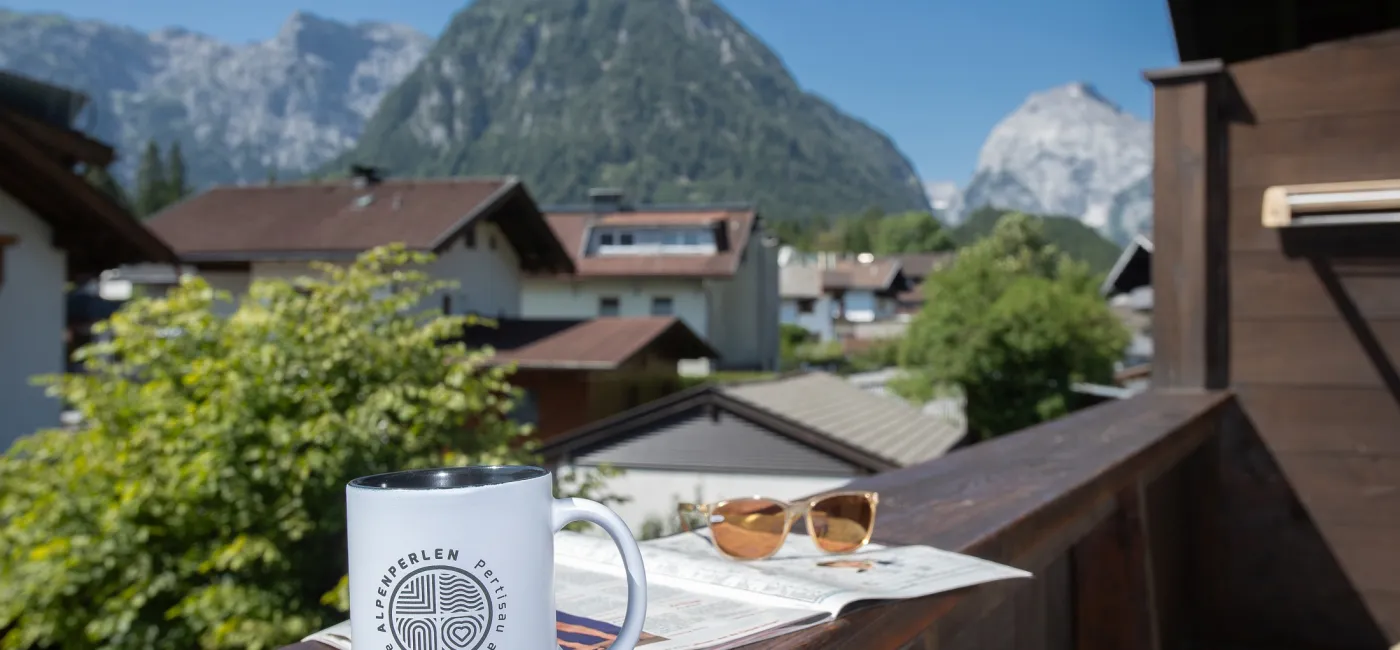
x,y
446,478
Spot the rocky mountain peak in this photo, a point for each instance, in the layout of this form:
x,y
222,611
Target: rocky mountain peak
x,y
1068,151
239,111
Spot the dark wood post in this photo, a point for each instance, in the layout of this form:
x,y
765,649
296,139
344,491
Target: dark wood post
x,y
1190,276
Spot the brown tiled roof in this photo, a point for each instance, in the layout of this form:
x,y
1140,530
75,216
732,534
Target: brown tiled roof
x,y
919,265
307,219
851,274
606,342
572,229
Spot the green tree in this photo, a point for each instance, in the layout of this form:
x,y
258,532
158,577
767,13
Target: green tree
x,y
176,188
911,232
151,187
201,502
1013,323
101,179
854,234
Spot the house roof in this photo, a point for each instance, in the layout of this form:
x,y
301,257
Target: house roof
x,y
1235,30
605,343
53,105
919,265
877,275
96,232
799,281
886,427
820,410
573,224
318,220
1132,270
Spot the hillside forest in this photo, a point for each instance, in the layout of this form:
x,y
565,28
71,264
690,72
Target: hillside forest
x,y
874,231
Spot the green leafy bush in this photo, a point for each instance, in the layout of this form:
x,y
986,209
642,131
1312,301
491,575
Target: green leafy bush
x,y
201,503
1012,323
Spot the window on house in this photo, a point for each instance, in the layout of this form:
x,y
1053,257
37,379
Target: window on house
x,y
806,305
447,305
526,409
690,238
469,237
609,306
624,239
671,238
605,239
662,306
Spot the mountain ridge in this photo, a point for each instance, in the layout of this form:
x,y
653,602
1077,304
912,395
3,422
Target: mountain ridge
x,y
673,101
240,111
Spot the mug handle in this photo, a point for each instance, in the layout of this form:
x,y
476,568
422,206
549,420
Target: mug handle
x,y
570,510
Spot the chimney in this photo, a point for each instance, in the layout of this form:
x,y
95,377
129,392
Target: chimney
x,y
606,199
366,176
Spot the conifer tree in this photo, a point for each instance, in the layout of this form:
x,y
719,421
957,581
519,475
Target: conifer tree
x,y
151,187
176,186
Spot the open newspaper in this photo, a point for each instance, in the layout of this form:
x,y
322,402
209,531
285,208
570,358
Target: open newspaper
x,y
699,600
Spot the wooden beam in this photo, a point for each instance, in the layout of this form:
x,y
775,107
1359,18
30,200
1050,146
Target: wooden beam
x,y
33,177
67,145
5,242
1190,277
1115,606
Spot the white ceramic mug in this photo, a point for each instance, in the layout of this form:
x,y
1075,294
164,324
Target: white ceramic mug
x,y
462,558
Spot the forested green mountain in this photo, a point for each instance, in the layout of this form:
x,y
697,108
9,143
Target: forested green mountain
x,y
1068,233
671,100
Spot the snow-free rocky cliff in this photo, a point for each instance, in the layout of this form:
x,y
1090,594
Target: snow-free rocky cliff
x,y
239,111
1069,151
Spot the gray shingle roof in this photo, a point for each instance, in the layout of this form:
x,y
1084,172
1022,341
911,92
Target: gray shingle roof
x,y
883,426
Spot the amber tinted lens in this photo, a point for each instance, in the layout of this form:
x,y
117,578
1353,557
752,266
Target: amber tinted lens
x,y
748,528
841,523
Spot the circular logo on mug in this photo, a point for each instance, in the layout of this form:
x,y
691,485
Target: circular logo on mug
x,y
440,607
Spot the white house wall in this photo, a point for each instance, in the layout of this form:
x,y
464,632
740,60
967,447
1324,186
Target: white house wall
x,y
565,298
859,306
818,322
32,322
488,278
654,493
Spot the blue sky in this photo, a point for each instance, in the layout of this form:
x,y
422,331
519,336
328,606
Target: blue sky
x,y
934,74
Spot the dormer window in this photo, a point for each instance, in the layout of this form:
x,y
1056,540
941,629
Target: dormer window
x,y
652,240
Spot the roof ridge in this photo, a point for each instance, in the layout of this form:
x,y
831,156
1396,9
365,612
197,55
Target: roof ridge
x,y
585,208
340,182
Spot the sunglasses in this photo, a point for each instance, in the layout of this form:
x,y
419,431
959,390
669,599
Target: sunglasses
x,y
755,528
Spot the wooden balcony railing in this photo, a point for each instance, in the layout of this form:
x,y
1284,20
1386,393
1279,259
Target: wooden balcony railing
x,y
1093,504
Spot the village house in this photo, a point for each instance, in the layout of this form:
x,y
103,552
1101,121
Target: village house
x,y
711,266
487,234
56,229
916,268
782,438
841,296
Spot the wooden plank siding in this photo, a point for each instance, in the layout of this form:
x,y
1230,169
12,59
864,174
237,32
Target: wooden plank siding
x,y
1314,316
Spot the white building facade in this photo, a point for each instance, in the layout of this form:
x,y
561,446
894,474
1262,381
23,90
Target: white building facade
x,y
712,269
31,319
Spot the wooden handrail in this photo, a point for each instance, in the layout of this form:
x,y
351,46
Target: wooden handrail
x,y
1023,500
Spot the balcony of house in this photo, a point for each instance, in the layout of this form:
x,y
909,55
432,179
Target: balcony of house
x,y
1158,521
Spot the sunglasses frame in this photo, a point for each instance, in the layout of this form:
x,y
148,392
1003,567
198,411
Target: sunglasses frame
x,y
792,511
